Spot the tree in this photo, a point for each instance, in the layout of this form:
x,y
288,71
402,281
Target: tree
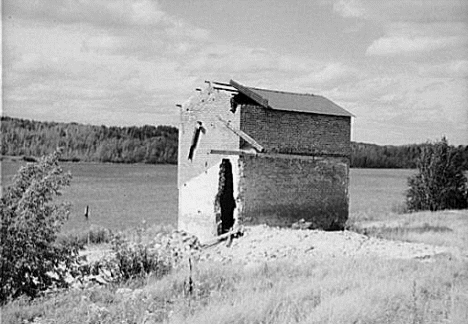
x,y
29,252
440,182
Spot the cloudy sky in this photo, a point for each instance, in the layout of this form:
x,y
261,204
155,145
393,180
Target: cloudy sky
x,y
400,66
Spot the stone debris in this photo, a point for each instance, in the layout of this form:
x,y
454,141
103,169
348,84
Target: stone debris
x,y
262,243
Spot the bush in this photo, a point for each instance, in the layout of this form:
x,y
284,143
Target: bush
x,y
94,235
130,260
31,260
440,183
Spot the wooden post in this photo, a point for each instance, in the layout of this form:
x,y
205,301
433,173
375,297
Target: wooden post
x,y
86,215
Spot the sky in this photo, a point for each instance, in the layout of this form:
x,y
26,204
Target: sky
x,y
401,67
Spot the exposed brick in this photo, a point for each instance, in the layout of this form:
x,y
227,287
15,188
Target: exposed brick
x,y
309,182
280,192
295,132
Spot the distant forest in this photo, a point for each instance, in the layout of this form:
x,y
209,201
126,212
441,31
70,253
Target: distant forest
x,y
145,144
156,144
389,156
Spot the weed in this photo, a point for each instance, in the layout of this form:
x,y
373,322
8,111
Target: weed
x,y
94,235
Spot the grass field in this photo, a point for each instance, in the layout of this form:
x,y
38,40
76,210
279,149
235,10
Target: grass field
x,y
335,291
338,290
443,228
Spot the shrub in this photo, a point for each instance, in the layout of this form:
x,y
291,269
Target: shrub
x,y
94,235
131,260
30,258
440,183
136,259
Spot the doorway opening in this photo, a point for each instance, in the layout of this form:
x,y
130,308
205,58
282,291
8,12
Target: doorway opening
x,y
225,201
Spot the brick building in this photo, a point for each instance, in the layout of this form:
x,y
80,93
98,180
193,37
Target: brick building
x,y
255,156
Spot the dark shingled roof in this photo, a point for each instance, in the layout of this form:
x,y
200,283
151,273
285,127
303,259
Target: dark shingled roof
x,y
289,101
308,103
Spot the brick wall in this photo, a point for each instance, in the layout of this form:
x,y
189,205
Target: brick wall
x,y
205,107
295,132
280,192
275,191
198,178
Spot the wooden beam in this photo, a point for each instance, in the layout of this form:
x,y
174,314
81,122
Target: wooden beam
x,y
231,89
219,83
309,156
249,93
221,86
231,152
242,135
313,156
233,233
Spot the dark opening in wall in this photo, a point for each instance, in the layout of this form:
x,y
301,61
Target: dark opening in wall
x,y
224,202
196,136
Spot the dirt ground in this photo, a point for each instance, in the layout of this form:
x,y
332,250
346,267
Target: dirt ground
x,y
263,243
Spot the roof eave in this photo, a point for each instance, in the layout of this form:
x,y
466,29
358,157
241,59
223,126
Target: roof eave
x,y
345,114
264,102
250,94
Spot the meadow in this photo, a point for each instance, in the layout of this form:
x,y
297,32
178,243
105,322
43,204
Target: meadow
x,y
337,290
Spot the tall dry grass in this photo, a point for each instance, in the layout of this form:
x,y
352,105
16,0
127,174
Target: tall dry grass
x,y
443,228
338,290
334,291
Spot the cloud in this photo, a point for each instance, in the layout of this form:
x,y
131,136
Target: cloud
x,y
94,57
394,45
322,77
402,108
452,69
130,62
410,27
404,11
415,38
131,57
349,8
94,12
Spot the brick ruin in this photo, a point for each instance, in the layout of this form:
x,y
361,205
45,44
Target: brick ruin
x,y
255,156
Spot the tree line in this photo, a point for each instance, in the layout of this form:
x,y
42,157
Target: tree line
x,y
365,155
144,144
158,144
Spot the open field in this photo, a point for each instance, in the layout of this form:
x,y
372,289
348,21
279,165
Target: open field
x,y
444,228
338,289
340,284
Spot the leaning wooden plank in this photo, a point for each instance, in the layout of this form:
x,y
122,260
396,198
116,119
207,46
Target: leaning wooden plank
x,y
232,152
220,238
231,89
241,134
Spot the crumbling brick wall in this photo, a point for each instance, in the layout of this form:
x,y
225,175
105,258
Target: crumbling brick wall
x,y
198,178
281,191
205,108
308,179
311,184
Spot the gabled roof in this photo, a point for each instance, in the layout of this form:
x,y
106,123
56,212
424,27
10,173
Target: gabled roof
x,y
289,101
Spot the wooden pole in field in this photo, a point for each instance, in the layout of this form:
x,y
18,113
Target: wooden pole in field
x,y
86,215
